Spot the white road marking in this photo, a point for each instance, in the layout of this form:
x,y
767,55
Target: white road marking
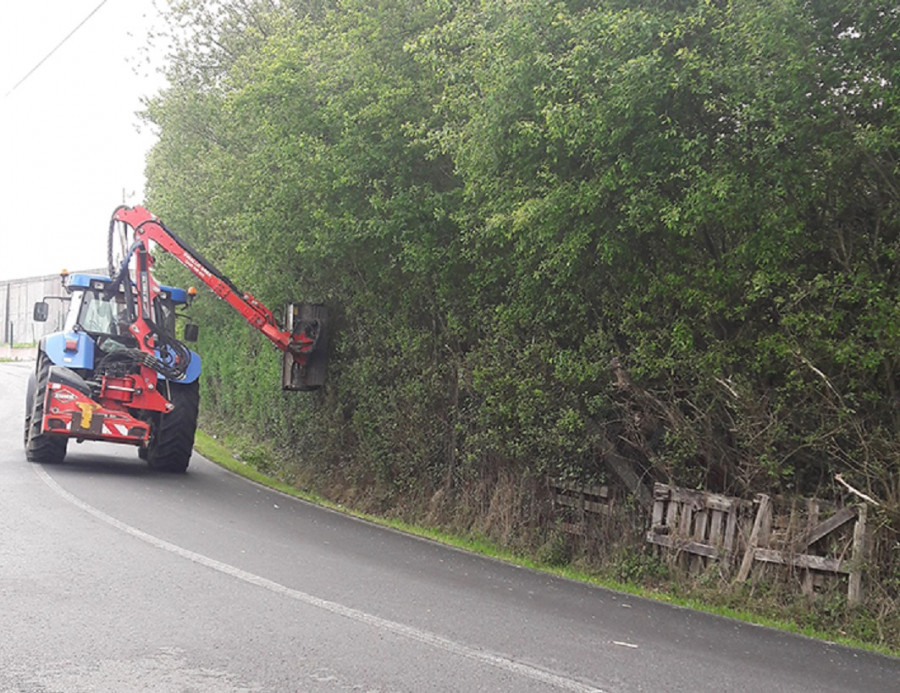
x,y
434,640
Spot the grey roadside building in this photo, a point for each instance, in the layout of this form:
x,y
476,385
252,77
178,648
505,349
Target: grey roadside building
x,y
17,299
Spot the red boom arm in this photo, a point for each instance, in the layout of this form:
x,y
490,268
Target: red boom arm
x,y
147,229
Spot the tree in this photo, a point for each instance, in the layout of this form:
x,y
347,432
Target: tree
x,y
556,230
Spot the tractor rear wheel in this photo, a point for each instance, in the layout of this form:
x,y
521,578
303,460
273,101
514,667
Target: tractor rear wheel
x,y
118,243
29,405
40,447
172,440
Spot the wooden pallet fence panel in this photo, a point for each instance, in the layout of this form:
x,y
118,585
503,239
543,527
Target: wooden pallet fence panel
x,y
695,522
578,503
711,526
771,542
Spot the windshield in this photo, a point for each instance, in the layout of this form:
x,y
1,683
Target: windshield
x,y
99,314
104,315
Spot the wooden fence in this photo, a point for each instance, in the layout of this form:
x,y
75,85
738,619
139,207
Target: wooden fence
x,y
576,504
696,523
835,545
817,538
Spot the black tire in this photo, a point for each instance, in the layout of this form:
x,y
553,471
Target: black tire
x,y
172,440
119,241
29,405
40,447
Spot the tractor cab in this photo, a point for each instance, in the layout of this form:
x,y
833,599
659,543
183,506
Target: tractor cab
x,y
93,310
96,317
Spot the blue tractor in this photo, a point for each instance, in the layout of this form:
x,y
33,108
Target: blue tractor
x,y
117,371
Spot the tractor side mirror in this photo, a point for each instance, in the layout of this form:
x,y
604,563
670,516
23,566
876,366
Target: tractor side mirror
x,y
41,311
191,332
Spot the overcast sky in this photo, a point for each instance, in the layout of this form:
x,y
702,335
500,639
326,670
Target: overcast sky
x,y
70,145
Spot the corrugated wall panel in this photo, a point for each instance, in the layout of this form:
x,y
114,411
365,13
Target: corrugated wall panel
x,y
17,299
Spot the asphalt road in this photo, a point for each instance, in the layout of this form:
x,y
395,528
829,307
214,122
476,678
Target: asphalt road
x,y
113,578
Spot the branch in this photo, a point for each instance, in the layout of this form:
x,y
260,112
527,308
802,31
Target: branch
x,y
728,387
840,479
819,373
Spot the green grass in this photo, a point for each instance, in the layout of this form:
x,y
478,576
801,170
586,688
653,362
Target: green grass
x,y
217,452
7,359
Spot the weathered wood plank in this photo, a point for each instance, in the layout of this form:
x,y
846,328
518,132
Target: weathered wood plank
x,y
579,489
731,528
701,499
715,528
700,525
762,513
693,547
858,557
684,522
840,518
569,502
596,508
672,515
807,584
659,508
823,563
765,531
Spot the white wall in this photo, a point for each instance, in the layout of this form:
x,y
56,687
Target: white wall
x,y
17,299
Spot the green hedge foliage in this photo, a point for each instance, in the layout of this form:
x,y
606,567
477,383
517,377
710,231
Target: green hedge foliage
x,y
551,230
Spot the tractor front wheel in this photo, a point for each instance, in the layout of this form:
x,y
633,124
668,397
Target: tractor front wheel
x,y
172,438
40,447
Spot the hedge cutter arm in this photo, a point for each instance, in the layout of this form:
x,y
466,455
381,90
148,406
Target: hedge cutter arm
x,y
302,341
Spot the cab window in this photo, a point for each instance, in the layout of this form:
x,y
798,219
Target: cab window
x,y
103,315
165,315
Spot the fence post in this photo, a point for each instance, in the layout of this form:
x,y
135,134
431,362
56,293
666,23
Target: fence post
x,y
854,586
808,585
761,519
